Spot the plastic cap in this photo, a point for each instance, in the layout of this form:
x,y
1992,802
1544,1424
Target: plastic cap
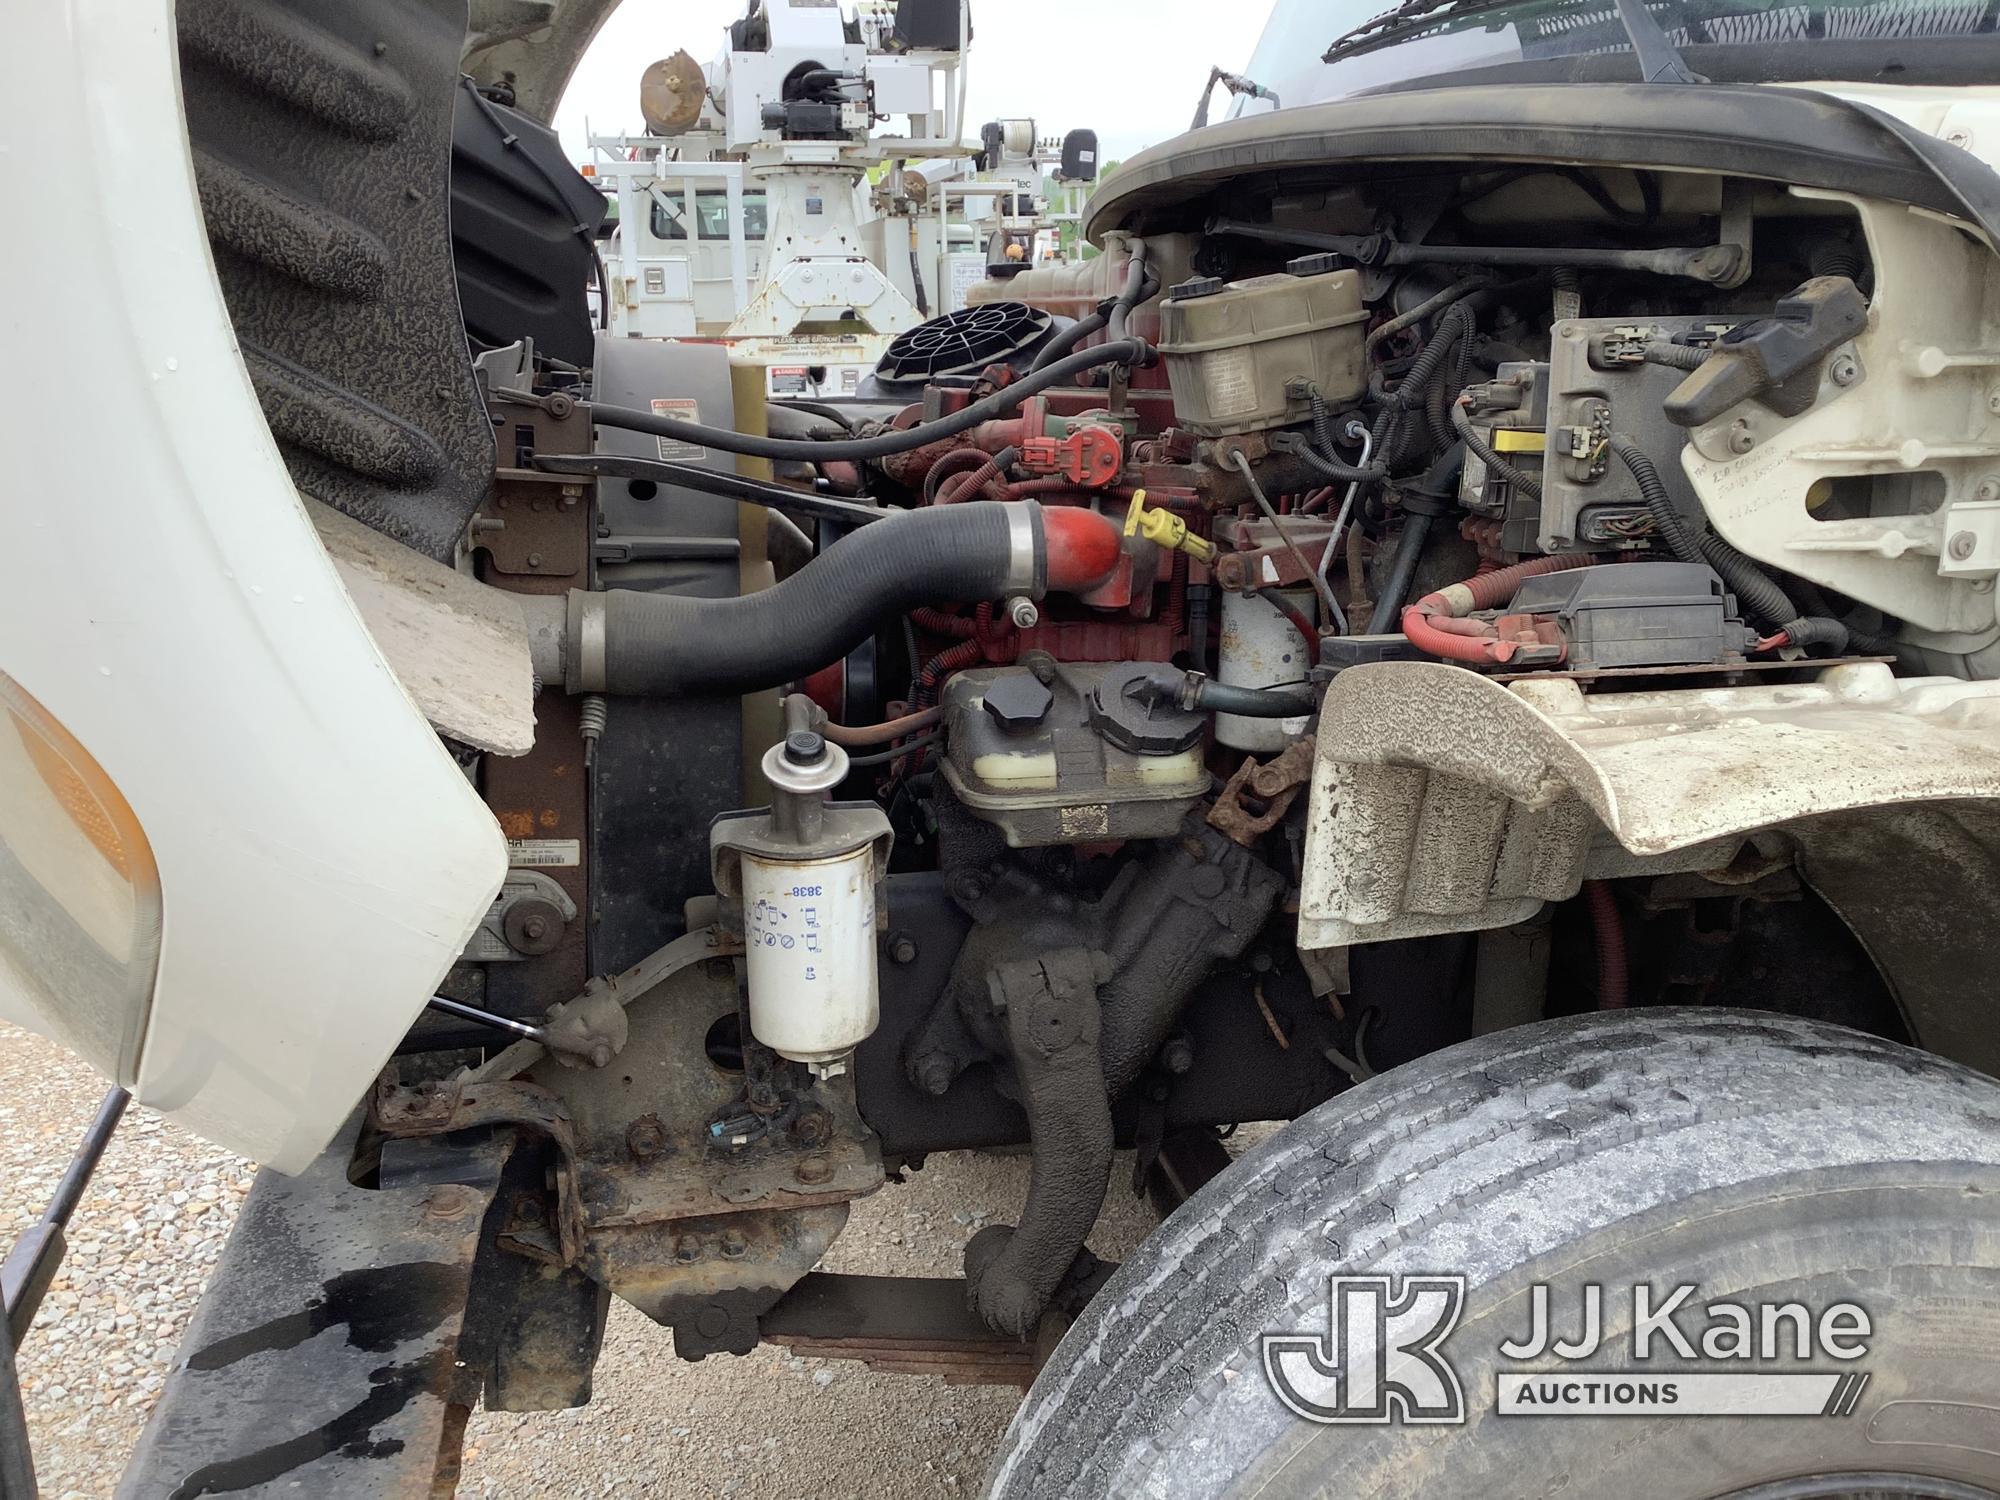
x,y
1316,265
804,747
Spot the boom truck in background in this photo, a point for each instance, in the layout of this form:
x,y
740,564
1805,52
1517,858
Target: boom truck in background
x,y
1469,628
763,208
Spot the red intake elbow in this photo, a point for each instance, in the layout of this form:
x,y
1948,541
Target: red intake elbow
x,y
1083,548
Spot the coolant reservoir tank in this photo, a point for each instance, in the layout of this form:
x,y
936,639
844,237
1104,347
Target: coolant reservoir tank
x,y
806,874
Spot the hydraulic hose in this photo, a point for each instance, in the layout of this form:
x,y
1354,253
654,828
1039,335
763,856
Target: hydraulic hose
x,y
713,482
1402,569
1439,484
1332,469
1070,337
864,735
1191,690
1137,277
642,644
1429,305
1112,313
1128,351
1761,598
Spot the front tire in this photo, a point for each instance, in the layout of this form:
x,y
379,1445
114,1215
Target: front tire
x,y
1767,1158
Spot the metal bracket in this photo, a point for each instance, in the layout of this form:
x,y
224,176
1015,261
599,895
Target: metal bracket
x,y
1971,547
434,1108
1276,783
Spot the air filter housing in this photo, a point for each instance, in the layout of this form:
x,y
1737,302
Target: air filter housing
x,y
965,342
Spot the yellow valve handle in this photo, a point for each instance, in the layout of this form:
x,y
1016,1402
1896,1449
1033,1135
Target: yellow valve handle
x,y
1165,529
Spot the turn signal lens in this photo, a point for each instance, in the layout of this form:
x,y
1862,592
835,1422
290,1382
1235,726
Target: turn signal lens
x,y
79,893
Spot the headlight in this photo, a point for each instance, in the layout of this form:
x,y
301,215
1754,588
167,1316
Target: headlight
x,y
79,893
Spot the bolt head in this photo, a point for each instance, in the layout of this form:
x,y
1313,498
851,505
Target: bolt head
x,y
1993,400
934,1073
1962,545
1741,440
532,925
646,1136
903,949
1846,370
1024,614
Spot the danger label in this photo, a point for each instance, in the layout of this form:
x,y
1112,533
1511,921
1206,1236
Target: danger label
x,y
679,409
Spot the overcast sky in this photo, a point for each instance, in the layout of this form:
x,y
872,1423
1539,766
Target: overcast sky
x,y
1131,70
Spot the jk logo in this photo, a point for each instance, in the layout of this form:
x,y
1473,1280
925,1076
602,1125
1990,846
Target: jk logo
x,y
1378,1359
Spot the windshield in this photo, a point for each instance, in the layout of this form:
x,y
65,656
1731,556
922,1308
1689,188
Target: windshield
x,y
711,212
1729,41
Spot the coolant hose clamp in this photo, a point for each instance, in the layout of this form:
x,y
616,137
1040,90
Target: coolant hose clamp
x,y
1027,555
586,654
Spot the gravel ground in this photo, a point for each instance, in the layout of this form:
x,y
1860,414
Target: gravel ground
x,y
771,1424
140,1249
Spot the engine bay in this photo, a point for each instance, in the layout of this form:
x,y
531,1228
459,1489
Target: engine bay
x,y
1186,683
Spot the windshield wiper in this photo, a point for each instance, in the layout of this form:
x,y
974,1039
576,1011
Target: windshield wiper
x,y
1659,61
1412,15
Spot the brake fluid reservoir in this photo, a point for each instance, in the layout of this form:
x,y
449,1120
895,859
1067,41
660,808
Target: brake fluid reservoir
x,y
805,874
809,932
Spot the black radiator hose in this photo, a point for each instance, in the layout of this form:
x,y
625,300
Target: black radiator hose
x,y
628,643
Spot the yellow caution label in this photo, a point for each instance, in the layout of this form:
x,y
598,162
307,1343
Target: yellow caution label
x,y
1519,440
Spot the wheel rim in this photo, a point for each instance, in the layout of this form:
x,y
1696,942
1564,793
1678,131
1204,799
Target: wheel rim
x,y
1861,1487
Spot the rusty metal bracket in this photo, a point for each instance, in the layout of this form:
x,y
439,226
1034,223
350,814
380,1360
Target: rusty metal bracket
x,y
654,969
433,1108
1276,783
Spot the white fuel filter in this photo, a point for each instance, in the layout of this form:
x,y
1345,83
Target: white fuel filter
x,y
809,932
